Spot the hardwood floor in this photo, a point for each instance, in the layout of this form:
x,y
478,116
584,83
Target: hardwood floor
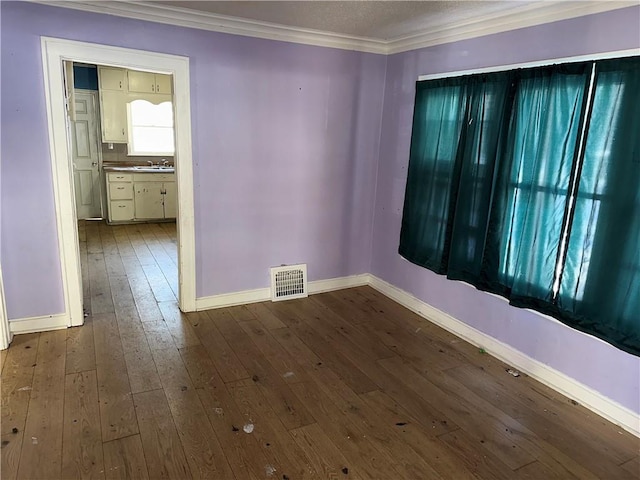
x,y
343,385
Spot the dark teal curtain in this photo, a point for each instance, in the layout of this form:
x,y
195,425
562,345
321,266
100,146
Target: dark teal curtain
x,y
535,171
489,99
438,116
600,288
504,192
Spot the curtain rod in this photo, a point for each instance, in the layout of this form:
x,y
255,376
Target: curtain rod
x,y
539,63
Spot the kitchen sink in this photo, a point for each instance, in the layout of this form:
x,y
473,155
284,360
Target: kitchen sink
x,y
153,167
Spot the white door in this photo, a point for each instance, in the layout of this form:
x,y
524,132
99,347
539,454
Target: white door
x,y
86,168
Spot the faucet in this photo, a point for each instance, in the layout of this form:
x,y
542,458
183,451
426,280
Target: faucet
x,y
150,163
165,162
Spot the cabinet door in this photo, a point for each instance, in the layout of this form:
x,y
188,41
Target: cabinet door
x,y
143,82
170,200
112,78
113,113
163,83
147,197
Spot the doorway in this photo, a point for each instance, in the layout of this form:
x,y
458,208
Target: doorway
x,y
54,53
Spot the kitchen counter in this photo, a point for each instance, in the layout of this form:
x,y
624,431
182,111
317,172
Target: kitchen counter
x,y
139,169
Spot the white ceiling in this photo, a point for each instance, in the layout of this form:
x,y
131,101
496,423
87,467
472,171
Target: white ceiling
x,y
372,26
380,20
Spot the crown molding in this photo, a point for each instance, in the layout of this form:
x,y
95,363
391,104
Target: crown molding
x,y
223,24
523,16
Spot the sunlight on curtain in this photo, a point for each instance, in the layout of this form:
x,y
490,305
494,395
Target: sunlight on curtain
x,y
600,286
537,163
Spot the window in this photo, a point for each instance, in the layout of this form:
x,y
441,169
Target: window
x,y
541,202
150,128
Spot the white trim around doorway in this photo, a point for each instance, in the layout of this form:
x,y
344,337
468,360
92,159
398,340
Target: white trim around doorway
x,y
54,52
5,333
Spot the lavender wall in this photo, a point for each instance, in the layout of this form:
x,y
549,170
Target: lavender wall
x,y
590,361
285,143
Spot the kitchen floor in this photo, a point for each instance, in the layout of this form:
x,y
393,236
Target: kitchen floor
x,y
346,384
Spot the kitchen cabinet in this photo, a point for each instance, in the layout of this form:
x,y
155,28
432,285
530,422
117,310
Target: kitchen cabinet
x,y
120,207
113,115
112,84
170,200
146,82
148,200
154,196
117,87
141,196
110,78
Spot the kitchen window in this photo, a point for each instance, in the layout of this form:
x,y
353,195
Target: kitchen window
x,y
150,128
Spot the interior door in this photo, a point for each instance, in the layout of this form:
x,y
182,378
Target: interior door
x,y
86,160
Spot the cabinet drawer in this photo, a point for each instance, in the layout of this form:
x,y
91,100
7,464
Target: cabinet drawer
x,y
154,177
120,210
119,177
120,191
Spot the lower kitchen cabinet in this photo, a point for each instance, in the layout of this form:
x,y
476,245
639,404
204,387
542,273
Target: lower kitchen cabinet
x,y
141,196
120,197
170,200
148,200
154,195
121,211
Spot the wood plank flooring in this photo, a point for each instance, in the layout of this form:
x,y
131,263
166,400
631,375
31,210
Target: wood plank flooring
x,y
342,385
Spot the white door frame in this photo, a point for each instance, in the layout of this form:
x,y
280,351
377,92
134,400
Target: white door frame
x,y
5,333
54,51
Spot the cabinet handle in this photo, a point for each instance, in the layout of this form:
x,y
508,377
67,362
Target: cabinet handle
x,y
120,84
120,188
122,206
123,132
153,87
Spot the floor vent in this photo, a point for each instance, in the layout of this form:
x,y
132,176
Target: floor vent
x,y
289,281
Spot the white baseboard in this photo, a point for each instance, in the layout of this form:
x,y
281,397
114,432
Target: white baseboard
x,y
264,294
38,324
551,377
235,298
321,286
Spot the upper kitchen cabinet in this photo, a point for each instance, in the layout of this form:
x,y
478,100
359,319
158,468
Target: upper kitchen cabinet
x,y
112,84
120,87
110,78
113,116
146,82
